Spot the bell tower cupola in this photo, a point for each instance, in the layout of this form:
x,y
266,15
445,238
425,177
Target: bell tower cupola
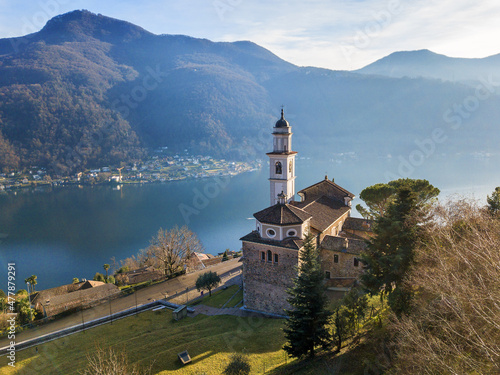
x,y
282,163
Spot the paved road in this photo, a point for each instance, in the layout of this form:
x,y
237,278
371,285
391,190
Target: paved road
x,y
175,290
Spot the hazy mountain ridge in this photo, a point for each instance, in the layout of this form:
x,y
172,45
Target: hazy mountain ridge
x,y
91,90
427,64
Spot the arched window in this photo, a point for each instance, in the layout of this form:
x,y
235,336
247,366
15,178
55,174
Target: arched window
x,y
269,256
278,168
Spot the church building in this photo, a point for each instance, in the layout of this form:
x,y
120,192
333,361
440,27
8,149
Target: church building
x,y
271,251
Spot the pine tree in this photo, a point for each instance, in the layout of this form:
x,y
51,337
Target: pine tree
x,y
494,202
306,327
390,253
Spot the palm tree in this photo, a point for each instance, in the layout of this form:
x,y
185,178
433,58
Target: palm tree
x,y
28,283
32,281
106,268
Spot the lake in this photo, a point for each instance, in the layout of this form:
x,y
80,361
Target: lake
x,y
59,233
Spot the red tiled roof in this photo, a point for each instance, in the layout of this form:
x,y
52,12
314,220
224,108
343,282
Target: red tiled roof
x,y
344,245
289,243
282,214
355,223
327,188
324,211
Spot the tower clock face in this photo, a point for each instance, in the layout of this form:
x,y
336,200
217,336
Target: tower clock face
x,y
290,168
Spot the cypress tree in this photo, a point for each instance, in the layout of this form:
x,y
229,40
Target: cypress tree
x,y
306,327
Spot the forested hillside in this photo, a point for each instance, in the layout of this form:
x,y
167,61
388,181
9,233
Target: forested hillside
x,y
88,90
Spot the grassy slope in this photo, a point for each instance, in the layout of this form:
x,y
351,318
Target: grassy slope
x,y
155,337
237,299
218,299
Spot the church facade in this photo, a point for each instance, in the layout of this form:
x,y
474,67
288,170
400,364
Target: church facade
x,y
271,251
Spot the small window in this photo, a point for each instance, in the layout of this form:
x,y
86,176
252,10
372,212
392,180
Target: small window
x,y
258,228
291,233
275,258
356,262
327,275
263,256
271,233
335,258
269,256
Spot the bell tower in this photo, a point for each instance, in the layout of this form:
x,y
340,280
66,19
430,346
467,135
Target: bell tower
x,y
282,162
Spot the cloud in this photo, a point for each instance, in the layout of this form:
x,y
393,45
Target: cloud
x,y
349,35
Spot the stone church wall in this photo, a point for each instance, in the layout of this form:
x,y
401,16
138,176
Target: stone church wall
x,y
345,266
265,283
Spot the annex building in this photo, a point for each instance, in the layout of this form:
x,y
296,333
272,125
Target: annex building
x,y
271,251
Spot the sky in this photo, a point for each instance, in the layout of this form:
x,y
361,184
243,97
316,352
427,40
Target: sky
x,y
333,34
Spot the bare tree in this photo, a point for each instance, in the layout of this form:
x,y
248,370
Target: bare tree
x,y
143,258
173,248
109,362
454,327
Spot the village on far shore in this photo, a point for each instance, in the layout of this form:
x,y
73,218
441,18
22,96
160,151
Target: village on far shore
x,y
157,168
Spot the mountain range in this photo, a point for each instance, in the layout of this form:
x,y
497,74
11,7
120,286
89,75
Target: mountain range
x,y
88,90
427,64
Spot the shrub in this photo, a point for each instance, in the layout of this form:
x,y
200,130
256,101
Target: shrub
x,y
454,324
238,365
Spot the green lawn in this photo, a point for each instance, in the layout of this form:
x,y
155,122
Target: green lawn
x,y
153,337
237,299
219,298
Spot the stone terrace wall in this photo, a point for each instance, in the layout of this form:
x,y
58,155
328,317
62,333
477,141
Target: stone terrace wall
x,y
265,283
70,301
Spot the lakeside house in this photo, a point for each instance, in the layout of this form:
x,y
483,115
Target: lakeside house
x,y
139,275
72,297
